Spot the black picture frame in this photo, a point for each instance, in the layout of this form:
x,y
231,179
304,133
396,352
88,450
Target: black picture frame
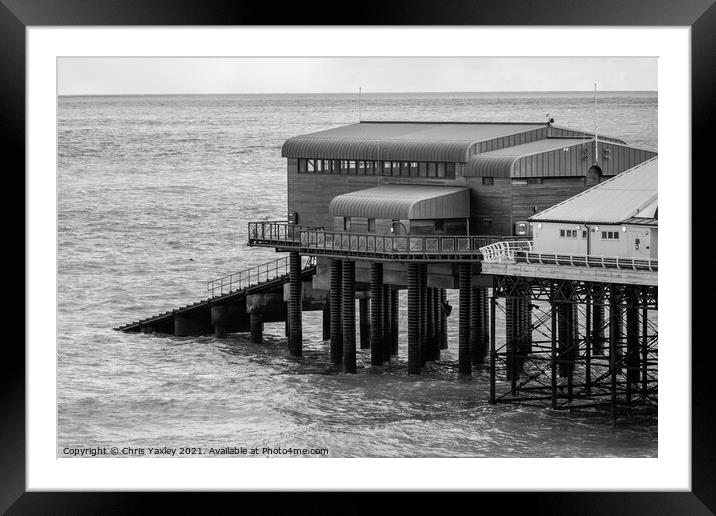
x,y
700,15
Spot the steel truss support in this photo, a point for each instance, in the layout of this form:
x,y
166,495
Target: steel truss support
x,y
575,345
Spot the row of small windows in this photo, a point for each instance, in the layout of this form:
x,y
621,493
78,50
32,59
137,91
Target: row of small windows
x,y
571,233
377,168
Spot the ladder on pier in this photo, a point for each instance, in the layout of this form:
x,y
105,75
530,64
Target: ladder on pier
x,y
230,289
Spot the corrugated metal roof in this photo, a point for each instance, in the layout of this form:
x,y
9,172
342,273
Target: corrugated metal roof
x,y
401,141
498,163
641,221
610,202
404,202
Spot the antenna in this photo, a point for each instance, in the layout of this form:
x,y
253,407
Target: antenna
x,y
596,143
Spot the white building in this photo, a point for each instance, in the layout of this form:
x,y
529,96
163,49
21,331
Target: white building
x,y
618,217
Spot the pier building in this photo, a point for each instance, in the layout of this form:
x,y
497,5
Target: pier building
x,y
379,207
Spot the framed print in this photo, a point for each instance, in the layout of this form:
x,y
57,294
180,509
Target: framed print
x,y
425,253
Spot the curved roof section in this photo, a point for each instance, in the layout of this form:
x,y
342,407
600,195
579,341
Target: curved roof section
x,y
632,193
401,141
499,163
404,202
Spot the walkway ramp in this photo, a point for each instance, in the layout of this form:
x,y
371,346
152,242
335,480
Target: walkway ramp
x,y
232,289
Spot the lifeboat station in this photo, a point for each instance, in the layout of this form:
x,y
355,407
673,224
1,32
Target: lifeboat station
x,y
555,228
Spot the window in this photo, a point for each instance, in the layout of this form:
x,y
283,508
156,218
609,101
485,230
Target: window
x,y
422,169
519,182
568,233
311,166
441,169
534,180
396,168
386,168
301,166
450,170
610,235
346,223
488,180
413,169
336,166
405,169
360,168
584,234
371,225
371,167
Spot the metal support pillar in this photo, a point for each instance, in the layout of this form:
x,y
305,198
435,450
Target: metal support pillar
x,y
644,350
349,316
588,346
295,338
430,324
395,323
385,341
597,339
364,326
437,322
465,285
493,352
632,341
614,336
413,318
376,314
336,319
423,314
553,355
511,341
256,325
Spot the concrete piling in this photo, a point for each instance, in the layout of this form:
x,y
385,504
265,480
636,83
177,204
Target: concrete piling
x,y
257,327
376,314
349,316
295,338
395,321
413,318
386,341
335,299
465,285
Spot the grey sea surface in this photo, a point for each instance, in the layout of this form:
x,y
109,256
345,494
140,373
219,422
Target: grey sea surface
x,y
154,196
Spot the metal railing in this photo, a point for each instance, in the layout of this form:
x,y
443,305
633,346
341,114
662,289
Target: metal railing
x,y
504,251
521,252
253,276
280,232
313,238
583,260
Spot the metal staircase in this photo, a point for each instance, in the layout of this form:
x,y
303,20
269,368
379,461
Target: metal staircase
x,y
266,277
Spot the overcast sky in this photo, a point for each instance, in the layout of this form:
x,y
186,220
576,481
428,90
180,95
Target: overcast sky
x,y
156,75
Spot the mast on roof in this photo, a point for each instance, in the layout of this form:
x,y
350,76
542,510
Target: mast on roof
x,y
596,143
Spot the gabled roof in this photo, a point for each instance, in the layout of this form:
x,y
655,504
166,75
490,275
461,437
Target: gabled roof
x,y
404,202
415,141
627,195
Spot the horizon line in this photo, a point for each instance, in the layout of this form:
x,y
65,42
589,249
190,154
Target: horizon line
x,y
341,93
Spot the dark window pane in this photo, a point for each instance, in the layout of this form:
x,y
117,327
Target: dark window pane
x,y
301,166
441,169
422,169
450,170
